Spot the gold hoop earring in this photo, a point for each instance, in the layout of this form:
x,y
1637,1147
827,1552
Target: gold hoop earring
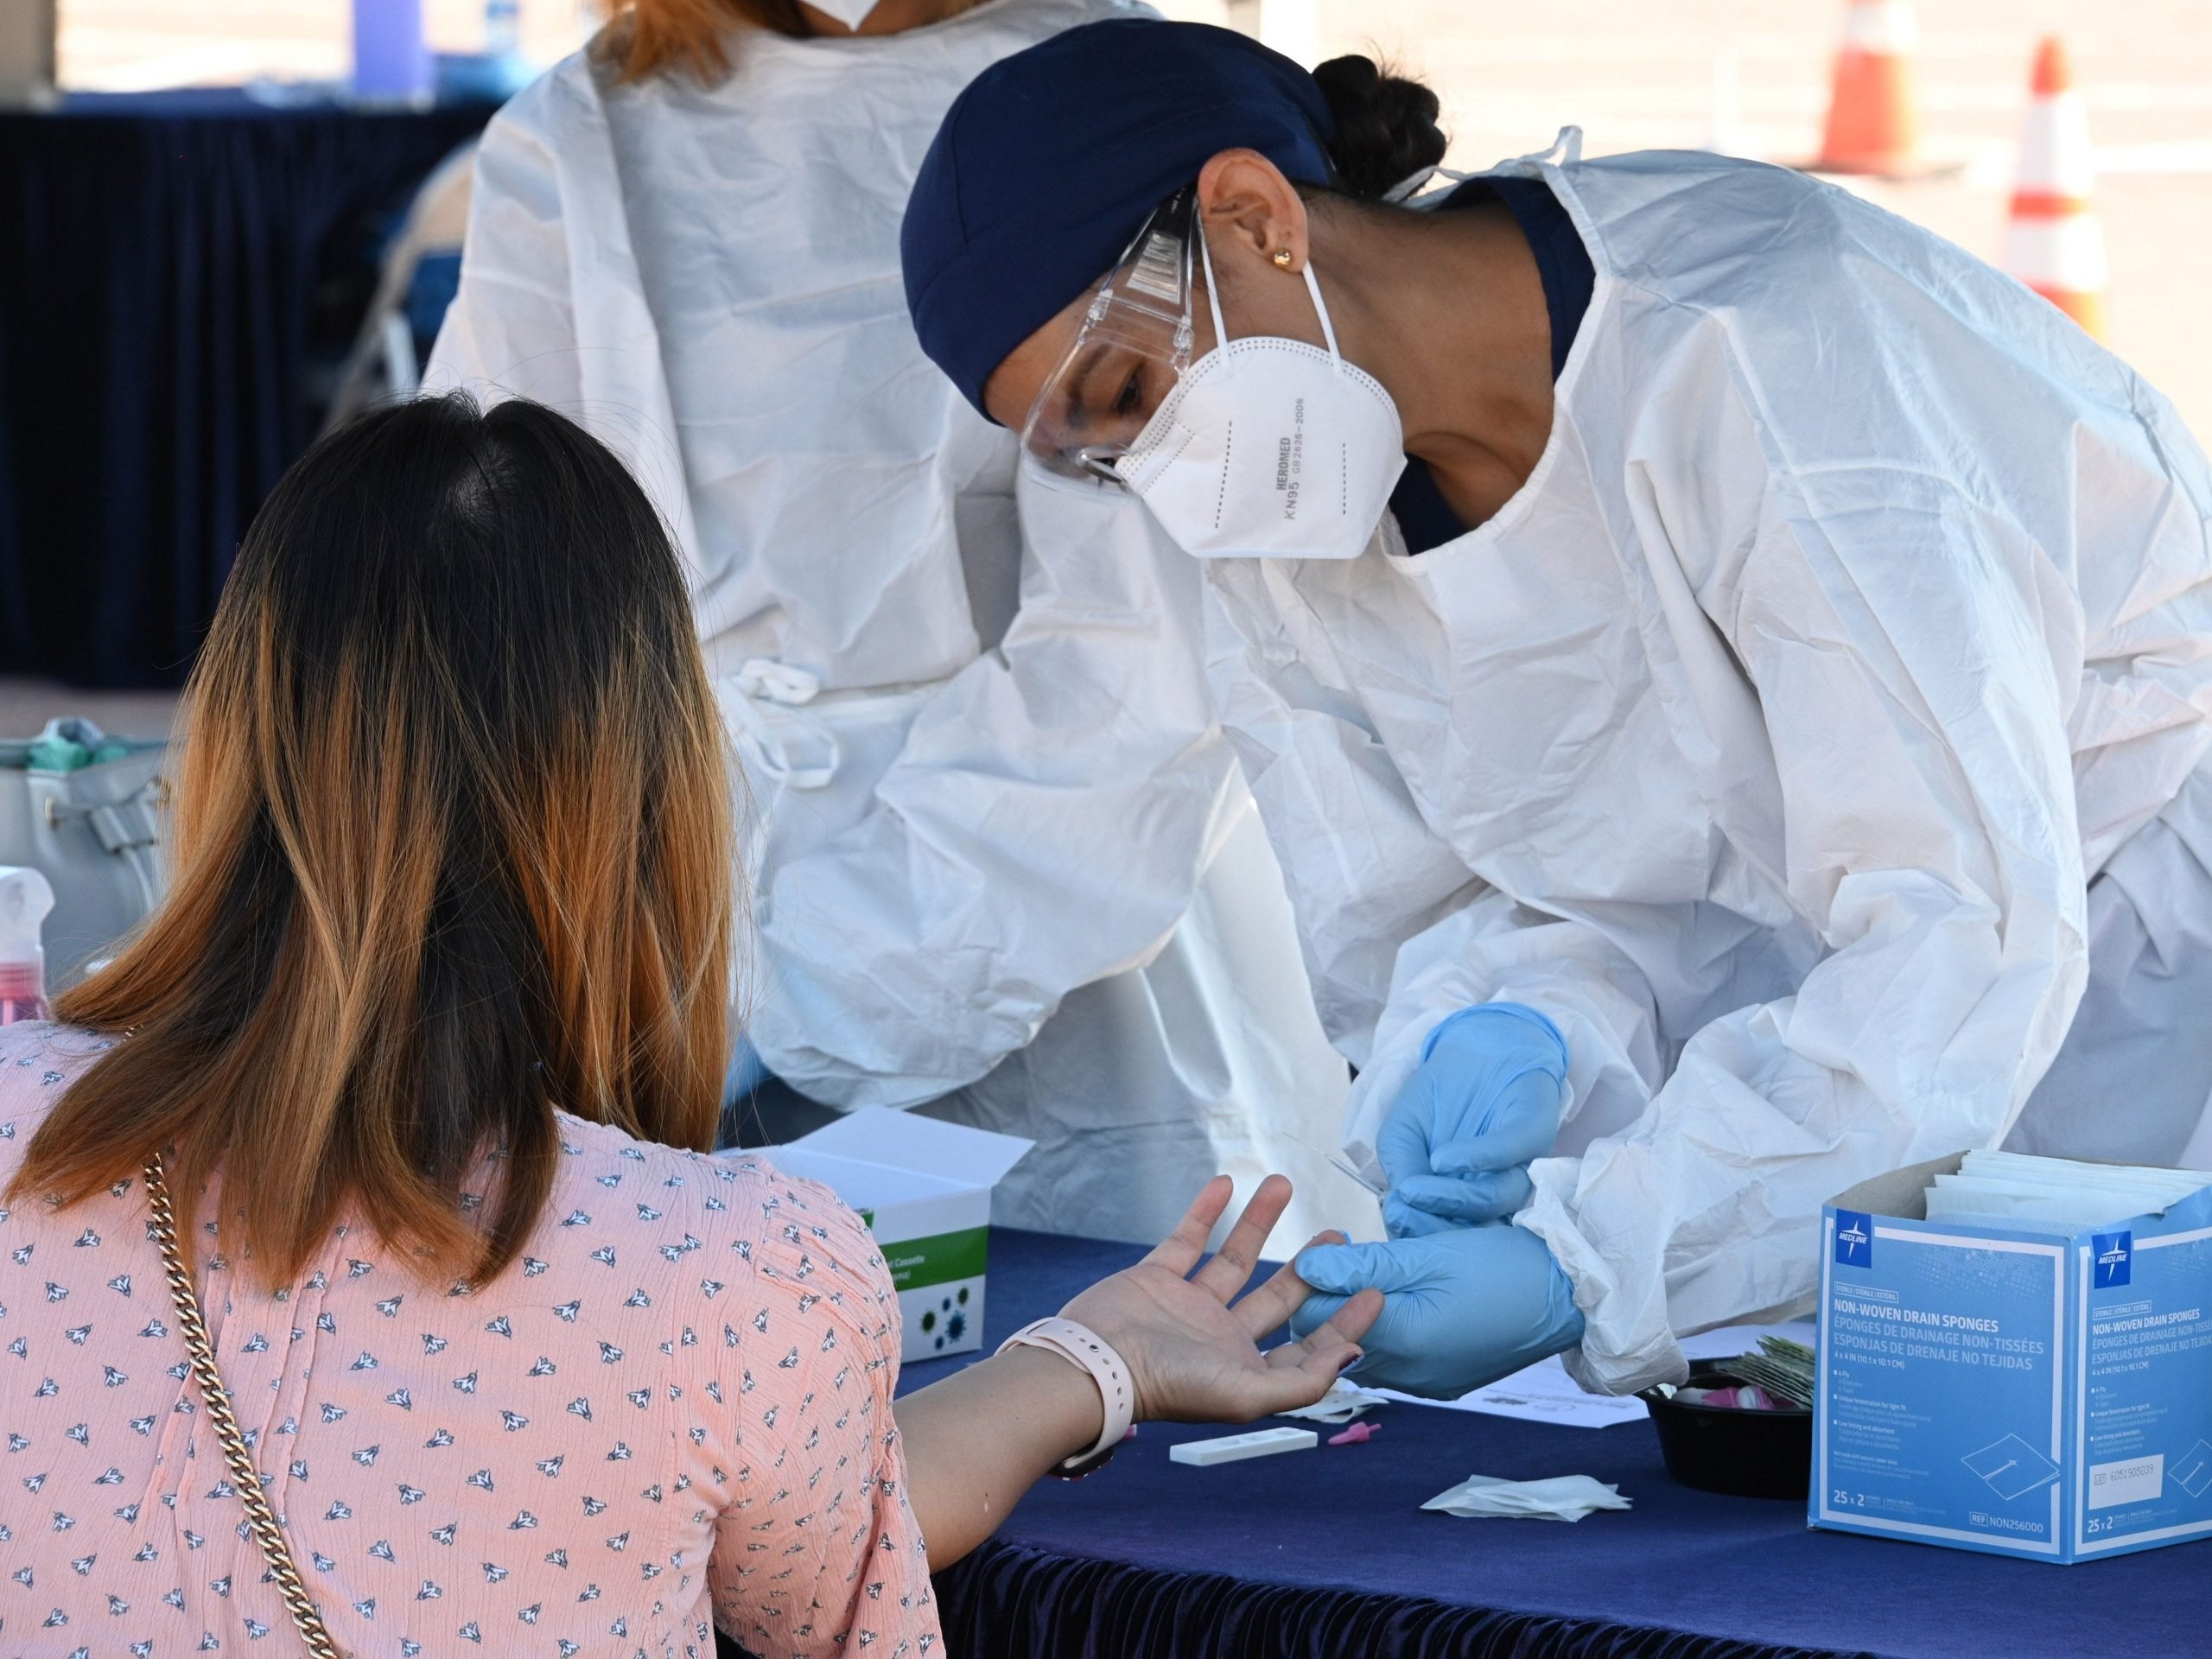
x,y
1282,258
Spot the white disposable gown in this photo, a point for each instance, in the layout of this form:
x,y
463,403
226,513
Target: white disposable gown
x,y
1002,852
1825,713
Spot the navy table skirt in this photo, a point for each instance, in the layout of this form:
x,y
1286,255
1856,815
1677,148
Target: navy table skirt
x,y
166,263
1327,1555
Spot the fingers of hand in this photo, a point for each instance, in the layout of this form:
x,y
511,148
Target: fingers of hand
x,y
1181,1250
1314,1313
1281,1389
1465,1200
1396,1341
1225,1275
1303,1370
1274,1302
1343,1328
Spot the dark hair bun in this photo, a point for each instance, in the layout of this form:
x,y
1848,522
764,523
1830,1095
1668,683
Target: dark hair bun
x,y
1386,125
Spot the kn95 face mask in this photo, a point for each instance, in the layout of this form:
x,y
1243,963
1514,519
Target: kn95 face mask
x,y
1269,447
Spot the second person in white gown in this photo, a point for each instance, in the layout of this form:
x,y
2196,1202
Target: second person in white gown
x,y
1006,867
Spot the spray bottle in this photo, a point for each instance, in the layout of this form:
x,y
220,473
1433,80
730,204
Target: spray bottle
x,y
25,898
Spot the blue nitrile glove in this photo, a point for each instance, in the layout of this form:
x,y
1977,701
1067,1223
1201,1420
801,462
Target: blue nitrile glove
x,y
1485,1099
1460,1309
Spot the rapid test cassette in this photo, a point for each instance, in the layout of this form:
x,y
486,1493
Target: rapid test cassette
x,y
1234,1448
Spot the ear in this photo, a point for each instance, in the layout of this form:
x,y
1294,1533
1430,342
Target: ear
x,y
1249,207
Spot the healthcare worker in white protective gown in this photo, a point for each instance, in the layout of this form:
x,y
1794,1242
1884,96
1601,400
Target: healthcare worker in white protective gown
x,y
1003,861
1786,762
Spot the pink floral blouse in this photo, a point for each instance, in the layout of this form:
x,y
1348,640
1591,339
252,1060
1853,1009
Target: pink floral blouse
x,y
675,1407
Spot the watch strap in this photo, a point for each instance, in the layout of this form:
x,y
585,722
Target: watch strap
x,y
1084,1349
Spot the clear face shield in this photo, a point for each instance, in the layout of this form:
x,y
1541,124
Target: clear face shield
x,y
1135,342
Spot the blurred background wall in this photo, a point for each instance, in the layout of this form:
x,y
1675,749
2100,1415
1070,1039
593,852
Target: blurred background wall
x,y
1749,75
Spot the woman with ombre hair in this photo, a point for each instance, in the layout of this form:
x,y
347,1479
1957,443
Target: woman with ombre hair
x,y
1005,869
408,1086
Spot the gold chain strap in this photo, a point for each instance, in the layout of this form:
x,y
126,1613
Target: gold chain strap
x,y
259,1516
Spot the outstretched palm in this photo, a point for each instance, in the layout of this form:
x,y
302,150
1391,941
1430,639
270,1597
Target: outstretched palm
x,y
1192,1349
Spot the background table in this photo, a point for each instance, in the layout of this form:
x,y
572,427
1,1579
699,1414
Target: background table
x,y
1327,1554
168,264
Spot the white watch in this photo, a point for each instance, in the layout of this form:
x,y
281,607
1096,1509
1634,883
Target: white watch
x,y
1083,1348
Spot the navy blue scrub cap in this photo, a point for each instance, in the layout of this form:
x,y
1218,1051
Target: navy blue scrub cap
x,y
1050,161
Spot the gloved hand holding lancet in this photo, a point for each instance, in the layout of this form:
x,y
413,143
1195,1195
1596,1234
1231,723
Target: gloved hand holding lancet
x,y
1485,1101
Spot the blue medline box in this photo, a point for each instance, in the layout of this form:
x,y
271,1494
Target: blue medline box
x,y
1987,1385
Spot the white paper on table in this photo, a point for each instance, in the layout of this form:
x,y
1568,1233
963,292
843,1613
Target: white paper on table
x,y
1562,1498
1340,1404
1544,1393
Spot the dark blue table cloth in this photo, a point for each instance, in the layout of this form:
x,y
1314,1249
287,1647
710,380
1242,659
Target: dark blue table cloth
x,y
166,264
1327,1552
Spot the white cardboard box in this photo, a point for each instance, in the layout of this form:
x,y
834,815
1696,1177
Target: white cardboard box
x,y
2011,1386
924,1187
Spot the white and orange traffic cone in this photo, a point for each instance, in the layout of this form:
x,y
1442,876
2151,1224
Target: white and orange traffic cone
x,y
1873,125
2054,243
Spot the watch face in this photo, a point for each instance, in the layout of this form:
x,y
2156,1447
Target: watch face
x,y
1076,1468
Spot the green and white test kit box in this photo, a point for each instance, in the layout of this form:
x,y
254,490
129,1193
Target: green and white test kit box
x,y
924,1188
2013,1387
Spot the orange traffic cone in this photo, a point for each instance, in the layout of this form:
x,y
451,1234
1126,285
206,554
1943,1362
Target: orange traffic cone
x,y
2054,243
1872,125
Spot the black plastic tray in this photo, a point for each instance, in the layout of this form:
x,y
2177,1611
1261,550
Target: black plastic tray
x,y
1724,1449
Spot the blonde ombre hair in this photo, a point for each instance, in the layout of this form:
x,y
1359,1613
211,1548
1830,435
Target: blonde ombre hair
x,y
644,37
453,852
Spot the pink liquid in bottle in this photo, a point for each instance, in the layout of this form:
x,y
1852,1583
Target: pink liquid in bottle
x,y
26,899
23,991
